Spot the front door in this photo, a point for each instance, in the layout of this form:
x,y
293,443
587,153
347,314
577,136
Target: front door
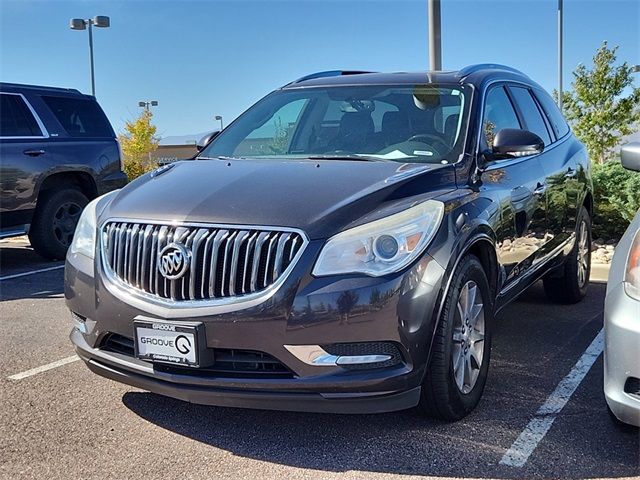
x,y
560,172
516,184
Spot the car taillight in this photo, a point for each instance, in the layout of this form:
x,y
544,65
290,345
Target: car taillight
x,y
632,273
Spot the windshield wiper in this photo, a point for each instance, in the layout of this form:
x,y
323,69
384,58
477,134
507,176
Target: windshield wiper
x,y
361,158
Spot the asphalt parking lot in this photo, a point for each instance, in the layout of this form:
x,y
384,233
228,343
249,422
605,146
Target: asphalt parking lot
x,y
65,422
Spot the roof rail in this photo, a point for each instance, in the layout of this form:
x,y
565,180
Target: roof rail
x,y
38,87
487,66
328,73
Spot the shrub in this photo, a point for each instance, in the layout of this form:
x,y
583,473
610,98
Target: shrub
x,y
134,167
616,199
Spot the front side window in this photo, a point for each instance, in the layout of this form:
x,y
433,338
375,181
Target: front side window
x,y
416,123
531,113
16,120
498,114
80,117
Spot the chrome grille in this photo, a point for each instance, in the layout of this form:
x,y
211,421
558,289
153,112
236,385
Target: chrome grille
x,y
224,261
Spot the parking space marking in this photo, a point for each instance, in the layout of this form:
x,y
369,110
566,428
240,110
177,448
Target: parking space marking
x,y
528,440
31,272
44,368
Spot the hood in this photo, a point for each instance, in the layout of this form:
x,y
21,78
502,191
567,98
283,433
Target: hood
x,y
319,197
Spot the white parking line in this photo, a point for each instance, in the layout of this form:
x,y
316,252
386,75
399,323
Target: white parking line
x,y
31,272
538,427
44,368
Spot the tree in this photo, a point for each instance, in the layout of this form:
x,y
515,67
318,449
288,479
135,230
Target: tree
x,y
137,144
603,106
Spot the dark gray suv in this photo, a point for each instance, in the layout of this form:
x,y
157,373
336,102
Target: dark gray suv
x,y
57,152
343,246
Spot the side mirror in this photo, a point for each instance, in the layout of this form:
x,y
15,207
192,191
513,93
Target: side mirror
x,y
513,142
206,140
630,156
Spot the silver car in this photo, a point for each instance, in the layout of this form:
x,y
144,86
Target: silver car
x,y
622,317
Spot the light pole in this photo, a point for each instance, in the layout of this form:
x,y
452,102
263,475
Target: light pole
x,y
82,24
147,104
435,39
560,27
219,117
635,69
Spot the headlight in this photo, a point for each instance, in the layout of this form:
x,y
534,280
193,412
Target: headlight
x,y
84,238
632,272
383,246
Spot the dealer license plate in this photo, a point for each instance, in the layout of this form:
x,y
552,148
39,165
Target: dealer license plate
x,y
166,342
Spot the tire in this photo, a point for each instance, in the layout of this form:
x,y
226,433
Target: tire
x,y
54,222
444,396
569,284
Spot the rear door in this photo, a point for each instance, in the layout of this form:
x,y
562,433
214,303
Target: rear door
x,y
85,139
515,184
24,153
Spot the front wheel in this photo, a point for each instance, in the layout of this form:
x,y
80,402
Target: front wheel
x,y
569,285
461,348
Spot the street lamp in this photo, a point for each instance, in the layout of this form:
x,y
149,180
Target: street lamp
x,y
635,68
560,40
147,104
219,117
82,24
435,36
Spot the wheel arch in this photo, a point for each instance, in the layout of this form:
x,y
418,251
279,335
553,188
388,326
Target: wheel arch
x,y
481,242
81,180
588,203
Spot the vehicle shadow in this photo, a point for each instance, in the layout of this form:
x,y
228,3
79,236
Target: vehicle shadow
x,y
16,258
408,443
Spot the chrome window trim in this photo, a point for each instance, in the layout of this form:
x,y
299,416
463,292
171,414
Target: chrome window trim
x,y
168,308
43,130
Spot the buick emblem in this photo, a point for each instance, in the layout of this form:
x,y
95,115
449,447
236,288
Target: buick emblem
x,y
173,261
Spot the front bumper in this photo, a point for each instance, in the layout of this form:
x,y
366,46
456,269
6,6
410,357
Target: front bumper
x,y
304,311
235,393
622,354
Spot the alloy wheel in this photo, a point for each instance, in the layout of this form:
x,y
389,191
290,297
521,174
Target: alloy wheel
x,y
65,221
583,253
468,337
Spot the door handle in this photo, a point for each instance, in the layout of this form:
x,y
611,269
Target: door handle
x,y
34,153
540,189
571,173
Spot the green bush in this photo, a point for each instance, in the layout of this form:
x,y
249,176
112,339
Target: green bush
x,y
616,199
135,167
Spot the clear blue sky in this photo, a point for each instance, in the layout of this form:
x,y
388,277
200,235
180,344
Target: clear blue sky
x,y
201,58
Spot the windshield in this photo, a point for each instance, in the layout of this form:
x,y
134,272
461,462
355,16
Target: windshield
x,y
423,124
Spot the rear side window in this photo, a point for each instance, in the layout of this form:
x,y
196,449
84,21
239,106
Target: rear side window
x,y
16,120
532,116
498,114
556,119
80,117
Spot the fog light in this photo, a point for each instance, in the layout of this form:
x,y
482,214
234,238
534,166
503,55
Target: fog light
x,y
365,355
362,359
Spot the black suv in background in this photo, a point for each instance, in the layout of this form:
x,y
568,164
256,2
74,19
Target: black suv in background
x,y
343,246
57,152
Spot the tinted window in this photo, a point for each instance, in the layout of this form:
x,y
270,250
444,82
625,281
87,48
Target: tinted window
x,y
498,114
16,120
556,119
79,117
532,116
